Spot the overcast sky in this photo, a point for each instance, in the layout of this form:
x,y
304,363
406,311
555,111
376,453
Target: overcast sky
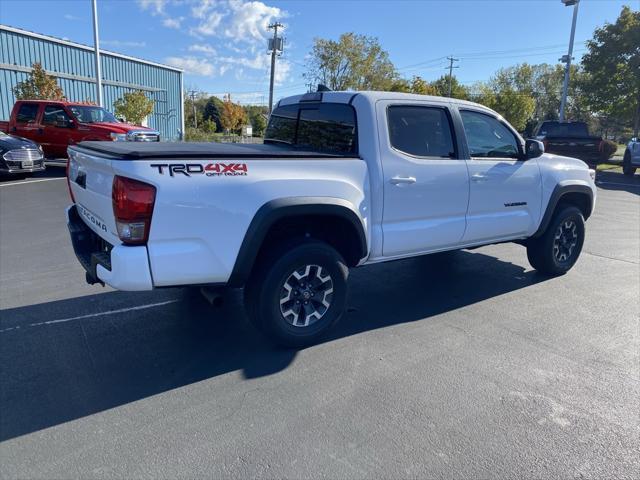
x,y
221,44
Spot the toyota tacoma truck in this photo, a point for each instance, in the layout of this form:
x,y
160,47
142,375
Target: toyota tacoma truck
x,y
56,124
343,179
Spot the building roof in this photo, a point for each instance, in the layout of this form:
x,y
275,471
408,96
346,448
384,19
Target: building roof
x,y
60,41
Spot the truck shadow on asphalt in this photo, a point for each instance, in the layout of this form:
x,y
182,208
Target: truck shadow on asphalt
x,y
617,181
55,373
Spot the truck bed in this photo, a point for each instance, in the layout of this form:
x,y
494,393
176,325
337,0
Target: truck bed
x,y
151,150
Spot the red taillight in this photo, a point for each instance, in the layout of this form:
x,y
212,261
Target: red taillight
x,y
132,207
69,182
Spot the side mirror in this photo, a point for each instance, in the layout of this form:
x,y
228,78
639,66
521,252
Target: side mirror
x,y
533,149
64,122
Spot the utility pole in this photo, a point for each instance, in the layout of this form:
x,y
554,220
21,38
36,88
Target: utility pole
x,y
451,67
567,58
96,46
192,95
275,45
309,87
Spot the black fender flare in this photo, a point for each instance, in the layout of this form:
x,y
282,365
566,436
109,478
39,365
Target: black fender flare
x,y
275,210
556,196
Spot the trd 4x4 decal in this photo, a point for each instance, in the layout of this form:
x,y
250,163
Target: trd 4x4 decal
x,y
210,169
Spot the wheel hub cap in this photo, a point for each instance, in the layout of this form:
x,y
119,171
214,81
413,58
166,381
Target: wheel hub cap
x,y
565,241
306,295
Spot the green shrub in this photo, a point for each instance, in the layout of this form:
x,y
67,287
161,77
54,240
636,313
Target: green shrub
x,y
197,135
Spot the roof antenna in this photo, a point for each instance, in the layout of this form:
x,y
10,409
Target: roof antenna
x,y
323,88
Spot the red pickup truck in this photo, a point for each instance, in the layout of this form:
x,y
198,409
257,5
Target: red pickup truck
x,y
56,124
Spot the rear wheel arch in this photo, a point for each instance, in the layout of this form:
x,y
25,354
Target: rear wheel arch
x,y
331,220
580,196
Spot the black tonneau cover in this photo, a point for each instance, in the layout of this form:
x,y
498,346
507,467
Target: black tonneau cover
x,y
144,150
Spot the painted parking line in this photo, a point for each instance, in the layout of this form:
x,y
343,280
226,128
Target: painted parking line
x,y
22,182
92,315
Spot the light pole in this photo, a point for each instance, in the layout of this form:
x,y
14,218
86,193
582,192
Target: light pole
x,y
567,58
96,46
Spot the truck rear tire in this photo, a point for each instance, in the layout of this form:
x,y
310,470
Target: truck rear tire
x,y
627,168
297,293
558,249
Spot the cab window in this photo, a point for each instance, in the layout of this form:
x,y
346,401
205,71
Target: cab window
x,y
421,131
27,113
323,127
54,115
488,137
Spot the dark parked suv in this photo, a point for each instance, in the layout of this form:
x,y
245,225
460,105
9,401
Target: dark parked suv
x,y
19,155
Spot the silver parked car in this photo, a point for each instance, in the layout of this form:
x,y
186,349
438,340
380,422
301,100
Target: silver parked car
x,y
631,157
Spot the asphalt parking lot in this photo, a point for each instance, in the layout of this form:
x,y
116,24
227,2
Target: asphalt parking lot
x,y
468,365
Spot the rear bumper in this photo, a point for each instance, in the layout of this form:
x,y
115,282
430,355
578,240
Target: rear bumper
x,y
119,266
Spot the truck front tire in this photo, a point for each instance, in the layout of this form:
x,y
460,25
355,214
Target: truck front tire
x,y
558,249
297,292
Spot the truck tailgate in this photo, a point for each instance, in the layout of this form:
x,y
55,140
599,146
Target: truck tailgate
x,y
91,180
577,147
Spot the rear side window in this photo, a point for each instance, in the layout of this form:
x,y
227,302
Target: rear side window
x,y
556,129
27,113
325,127
283,124
421,131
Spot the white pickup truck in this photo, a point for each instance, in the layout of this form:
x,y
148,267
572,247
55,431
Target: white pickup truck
x,y
343,179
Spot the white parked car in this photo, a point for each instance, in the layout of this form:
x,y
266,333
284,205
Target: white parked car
x,y
343,179
631,159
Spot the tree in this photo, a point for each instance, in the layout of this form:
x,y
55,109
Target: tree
x,y
516,107
612,68
134,106
212,110
422,87
232,116
441,88
257,116
354,62
38,86
194,102
209,126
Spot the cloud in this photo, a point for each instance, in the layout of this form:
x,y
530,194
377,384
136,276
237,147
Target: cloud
x,y
209,25
173,22
242,21
71,18
156,6
232,36
200,10
193,65
206,49
249,20
120,43
260,62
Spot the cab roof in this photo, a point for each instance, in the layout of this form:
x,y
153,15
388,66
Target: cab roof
x,y
373,97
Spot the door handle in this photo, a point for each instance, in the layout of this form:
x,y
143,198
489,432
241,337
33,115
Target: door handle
x,y
479,177
402,180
